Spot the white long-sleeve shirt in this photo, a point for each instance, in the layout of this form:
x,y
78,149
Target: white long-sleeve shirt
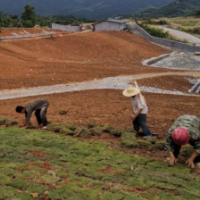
x,y
137,104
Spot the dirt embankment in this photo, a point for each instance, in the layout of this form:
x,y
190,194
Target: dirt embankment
x,y
174,83
74,58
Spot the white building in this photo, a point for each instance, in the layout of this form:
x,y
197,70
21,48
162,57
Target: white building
x,y
110,25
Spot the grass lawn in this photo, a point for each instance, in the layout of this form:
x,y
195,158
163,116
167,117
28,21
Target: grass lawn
x,y
42,165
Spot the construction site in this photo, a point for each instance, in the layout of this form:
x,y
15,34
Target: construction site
x,y
86,153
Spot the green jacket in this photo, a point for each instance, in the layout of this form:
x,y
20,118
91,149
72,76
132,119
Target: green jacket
x,y
192,124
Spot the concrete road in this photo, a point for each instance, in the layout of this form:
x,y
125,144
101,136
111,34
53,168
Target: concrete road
x,y
182,35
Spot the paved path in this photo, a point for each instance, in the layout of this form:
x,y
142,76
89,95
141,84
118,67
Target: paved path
x,y
182,35
119,82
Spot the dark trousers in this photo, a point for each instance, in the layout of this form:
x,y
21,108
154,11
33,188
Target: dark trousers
x,y
141,122
41,115
177,151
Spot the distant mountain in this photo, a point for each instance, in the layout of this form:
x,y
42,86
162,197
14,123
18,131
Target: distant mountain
x,y
174,9
195,13
91,9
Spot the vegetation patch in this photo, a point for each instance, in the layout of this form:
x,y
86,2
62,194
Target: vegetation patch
x,y
42,165
7,122
156,32
63,112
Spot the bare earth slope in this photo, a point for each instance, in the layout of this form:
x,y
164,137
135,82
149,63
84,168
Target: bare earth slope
x,y
109,107
73,58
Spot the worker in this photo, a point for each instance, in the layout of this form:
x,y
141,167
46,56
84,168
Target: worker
x,y
140,110
186,129
40,107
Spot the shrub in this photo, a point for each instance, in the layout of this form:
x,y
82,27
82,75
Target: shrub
x,y
3,120
69,126
195,30
91,125
129,140
152,140
187,151
160,145
107,128
63,112
96,131
82,132
10,123
66,131
117,131
144,145
156,32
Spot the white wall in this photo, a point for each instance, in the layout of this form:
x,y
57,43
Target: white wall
x,y
66,28
109,26
27,35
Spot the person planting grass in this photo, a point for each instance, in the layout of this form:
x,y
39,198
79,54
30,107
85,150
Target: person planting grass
x,y
186,129
140,110
40,107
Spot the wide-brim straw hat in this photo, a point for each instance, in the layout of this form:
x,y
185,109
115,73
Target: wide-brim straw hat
x,y
131,91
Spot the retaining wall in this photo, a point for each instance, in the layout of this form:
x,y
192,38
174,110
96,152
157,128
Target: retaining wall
x,y
164,42
24,36
66,28
109,26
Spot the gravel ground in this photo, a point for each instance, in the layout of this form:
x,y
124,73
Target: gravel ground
x,y
193,80
179,60
120,82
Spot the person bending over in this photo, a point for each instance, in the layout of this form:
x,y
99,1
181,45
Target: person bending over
x,y
186,129
40,107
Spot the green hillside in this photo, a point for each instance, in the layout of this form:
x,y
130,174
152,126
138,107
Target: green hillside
x,y
195,14
175,9
91,9
14,21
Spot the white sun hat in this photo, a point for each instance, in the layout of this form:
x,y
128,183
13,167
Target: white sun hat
x,y
131,91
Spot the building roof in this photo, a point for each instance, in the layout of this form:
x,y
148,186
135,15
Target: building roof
x,y
116,21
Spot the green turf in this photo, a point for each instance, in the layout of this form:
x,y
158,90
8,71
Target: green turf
x,y
76,170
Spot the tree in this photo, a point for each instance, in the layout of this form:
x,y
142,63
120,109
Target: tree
x,y
1,18
28,16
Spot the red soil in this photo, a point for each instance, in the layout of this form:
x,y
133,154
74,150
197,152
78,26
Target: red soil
x,y
109,107
74,58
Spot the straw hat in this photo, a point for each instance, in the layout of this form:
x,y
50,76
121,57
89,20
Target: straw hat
x,y
131,91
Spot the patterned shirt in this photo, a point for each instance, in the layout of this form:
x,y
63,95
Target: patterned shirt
x,y
192,124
